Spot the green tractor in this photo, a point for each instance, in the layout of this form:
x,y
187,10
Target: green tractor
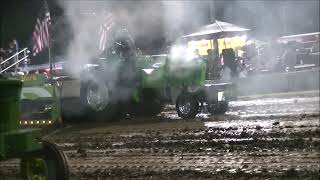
x,y
121,80
40,101
39,159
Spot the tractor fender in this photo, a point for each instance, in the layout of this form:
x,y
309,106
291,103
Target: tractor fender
x,y
176,91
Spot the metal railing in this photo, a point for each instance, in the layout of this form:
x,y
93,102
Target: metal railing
x,y
25,52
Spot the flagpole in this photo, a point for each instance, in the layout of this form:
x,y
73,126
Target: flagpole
x,y
49,56
54,93
49,44
49,50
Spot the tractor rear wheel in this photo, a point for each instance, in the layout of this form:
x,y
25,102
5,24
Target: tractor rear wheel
x,y
98,105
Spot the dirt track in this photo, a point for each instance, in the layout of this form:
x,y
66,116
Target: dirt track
x,y
260,137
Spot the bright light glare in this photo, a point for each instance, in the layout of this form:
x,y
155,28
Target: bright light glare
x,y
148,71
177,52
189,55
244,37
181,53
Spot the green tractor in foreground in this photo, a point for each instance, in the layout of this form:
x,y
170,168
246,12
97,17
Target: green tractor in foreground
x,y
40,100
120,80
39,159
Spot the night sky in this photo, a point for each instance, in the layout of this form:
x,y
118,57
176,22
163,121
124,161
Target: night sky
x,y
267,19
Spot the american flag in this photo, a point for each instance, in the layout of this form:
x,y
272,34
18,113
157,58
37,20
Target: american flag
x,y
107,24
40,35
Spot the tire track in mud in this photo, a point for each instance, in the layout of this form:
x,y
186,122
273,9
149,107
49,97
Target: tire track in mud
x,y
263,151
216,149
275,144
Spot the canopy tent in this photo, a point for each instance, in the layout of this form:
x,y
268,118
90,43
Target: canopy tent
x,y
215,31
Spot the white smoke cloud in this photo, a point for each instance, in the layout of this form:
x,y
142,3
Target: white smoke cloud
x,y
173,17
143,19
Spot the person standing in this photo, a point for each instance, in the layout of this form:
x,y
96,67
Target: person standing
x,y
290,55
196,54
16,50
13,49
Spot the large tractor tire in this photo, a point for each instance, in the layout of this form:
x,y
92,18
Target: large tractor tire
x,y
96,98
218,108
72,110
49,163
187,105
95,95
150,104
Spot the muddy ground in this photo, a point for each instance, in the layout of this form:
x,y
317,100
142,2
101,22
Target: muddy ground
x,y
262,137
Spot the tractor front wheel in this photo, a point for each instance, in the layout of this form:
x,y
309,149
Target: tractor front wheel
x,y
187,105
49,163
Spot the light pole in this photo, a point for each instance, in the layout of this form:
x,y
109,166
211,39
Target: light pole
x,y
214,44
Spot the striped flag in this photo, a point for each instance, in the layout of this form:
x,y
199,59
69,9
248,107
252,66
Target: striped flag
x,y
40,36
107,24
